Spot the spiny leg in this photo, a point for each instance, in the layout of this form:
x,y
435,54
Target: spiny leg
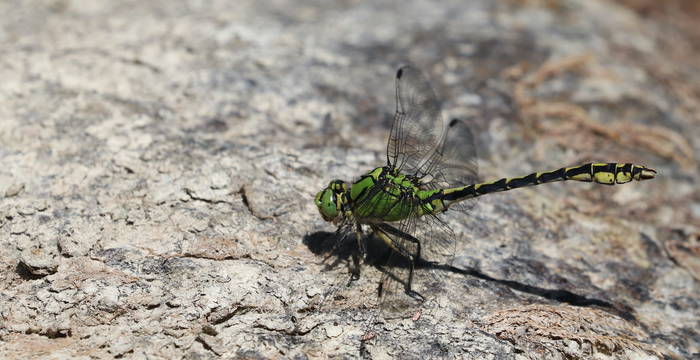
x,y
356,253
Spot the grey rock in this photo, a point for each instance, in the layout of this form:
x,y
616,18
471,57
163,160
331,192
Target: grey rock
x,y
14,189
40,262
160,159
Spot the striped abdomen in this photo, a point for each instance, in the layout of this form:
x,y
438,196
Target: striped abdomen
x,y
601,173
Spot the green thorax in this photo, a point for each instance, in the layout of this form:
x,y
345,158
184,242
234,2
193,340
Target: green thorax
x,y
385,195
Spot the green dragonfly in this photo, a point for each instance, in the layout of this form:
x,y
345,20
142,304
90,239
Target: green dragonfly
x,y
430,168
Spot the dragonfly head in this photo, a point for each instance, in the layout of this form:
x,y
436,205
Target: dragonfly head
x,y
331,200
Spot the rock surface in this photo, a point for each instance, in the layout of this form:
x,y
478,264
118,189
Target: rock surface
x,y
159,161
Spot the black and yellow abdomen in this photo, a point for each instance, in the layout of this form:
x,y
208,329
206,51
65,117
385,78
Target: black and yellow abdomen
x,y
601,173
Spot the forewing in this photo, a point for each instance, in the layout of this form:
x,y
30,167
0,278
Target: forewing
x,y
418,124
423,145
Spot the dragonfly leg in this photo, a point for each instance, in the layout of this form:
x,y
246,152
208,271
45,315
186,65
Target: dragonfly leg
x,y
414,261
360,251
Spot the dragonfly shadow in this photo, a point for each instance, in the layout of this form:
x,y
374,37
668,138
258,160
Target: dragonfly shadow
x,y
562,296
378,255
332,245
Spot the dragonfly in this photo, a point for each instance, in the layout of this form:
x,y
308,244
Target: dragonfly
x,y
431,167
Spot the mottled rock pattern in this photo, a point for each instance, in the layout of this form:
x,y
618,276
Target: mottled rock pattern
x,y
159,161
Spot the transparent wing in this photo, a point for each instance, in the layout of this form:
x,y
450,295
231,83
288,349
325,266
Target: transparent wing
x,y
452,164
437,240
394,300
394,303
427,237
418,125
421,144
455,162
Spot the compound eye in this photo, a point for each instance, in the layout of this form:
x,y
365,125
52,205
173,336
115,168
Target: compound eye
x,y
328,207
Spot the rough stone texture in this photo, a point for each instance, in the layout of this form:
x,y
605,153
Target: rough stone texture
x,y
159,160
